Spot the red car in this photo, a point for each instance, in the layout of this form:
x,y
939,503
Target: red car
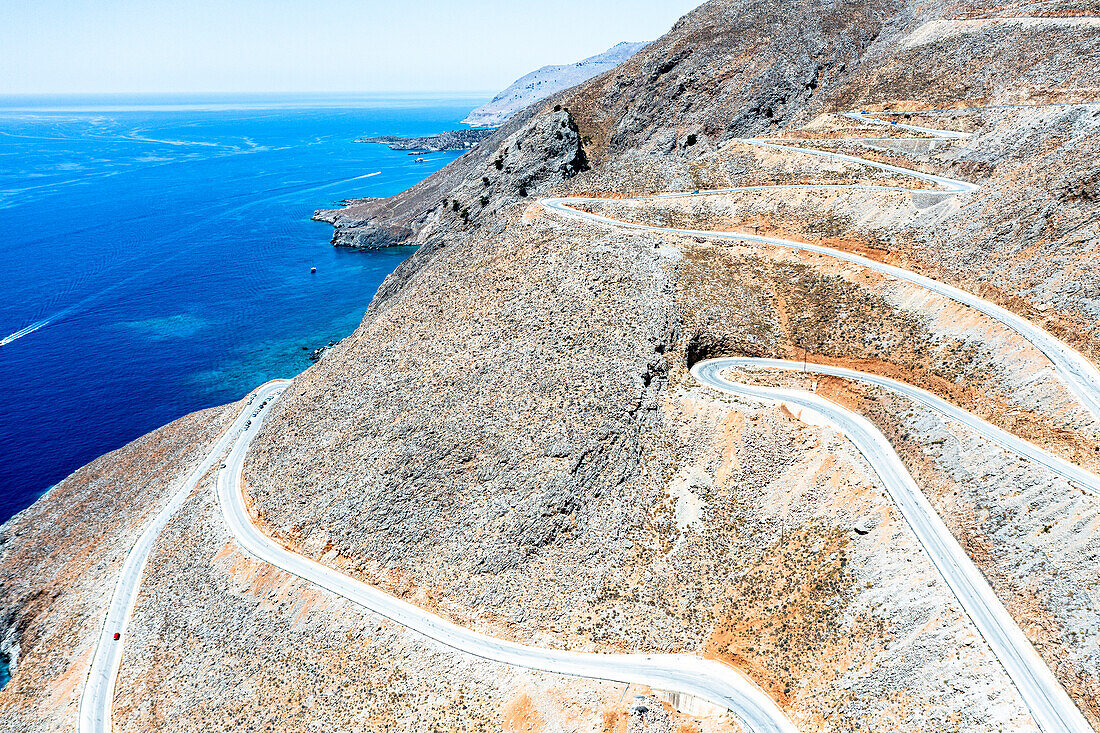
x,y
117,635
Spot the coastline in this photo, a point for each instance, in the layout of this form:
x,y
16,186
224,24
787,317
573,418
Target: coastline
x,y
152,346
449,141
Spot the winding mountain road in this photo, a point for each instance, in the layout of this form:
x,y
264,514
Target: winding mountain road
x,y
720,684
1069,471
1050,705
1047,700
712,681
1077,372
1045,697
99,689
708,680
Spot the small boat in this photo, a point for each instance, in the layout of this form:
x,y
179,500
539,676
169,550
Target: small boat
x,y
313,270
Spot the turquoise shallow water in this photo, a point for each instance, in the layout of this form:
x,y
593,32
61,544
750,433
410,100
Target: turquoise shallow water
x,y
157,255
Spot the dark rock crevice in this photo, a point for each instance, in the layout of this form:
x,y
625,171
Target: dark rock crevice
x,y
703,346
12,629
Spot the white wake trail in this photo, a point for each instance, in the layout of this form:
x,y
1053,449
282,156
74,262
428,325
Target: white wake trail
x,y
25,330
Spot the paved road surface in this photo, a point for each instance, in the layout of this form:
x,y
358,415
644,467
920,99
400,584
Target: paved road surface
x,y
1045,697
691,675
1078,373
99,690
688,674
1050,705
1008,441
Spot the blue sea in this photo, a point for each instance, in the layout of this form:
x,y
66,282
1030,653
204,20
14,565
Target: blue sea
x,y
157,255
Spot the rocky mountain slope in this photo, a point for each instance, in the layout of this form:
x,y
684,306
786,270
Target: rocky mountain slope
x,y
544,82
512,439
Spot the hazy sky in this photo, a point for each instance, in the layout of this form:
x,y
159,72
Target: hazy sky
x,y
49,46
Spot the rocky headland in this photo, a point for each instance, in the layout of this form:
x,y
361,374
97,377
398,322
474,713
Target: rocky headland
x,y
452,140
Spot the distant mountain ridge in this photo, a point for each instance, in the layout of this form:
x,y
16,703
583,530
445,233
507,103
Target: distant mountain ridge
x,y
548,80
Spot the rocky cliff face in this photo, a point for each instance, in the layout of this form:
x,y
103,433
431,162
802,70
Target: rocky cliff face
x,y
520,161
511,437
